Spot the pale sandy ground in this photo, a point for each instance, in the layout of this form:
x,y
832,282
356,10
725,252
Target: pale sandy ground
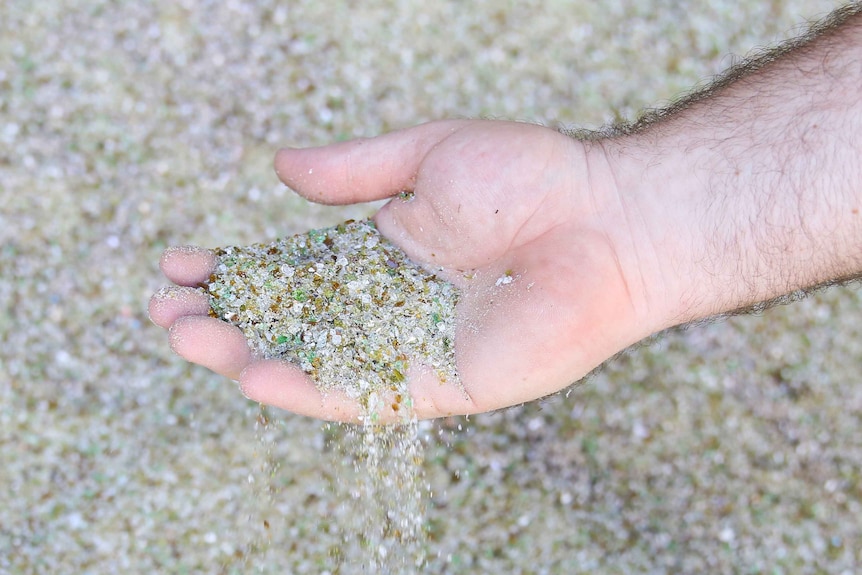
x,y
129,126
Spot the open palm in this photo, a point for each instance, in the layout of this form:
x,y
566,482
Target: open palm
x,y
526,221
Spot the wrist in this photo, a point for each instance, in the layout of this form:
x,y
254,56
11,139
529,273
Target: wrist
x,y
653,223
640,219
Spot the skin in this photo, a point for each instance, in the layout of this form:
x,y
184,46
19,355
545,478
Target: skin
x,y
736,196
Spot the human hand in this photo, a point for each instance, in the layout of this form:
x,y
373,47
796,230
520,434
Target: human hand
x,y
719,205
491,200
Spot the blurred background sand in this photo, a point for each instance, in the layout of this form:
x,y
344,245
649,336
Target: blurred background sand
x,y
126,127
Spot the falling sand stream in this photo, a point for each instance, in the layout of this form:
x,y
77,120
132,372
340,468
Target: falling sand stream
x,y
352,311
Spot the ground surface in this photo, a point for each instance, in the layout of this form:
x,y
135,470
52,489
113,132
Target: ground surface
x,y
129,126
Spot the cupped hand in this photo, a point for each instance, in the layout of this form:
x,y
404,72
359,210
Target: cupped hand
x,y
526,221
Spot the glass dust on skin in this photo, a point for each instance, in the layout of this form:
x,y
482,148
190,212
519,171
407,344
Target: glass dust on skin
x,y
345,305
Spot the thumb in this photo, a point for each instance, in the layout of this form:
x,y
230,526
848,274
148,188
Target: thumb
x,y
364,169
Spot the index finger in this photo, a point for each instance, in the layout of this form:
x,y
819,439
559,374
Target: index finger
x,y
187,265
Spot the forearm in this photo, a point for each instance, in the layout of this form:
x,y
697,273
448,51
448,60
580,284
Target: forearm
x,y
752,189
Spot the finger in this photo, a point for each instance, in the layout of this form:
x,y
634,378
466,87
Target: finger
x,y
211,343
171,303
187,265
432,398
286,386
361,170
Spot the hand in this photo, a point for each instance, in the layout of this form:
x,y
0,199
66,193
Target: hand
x,y
743,193
490,199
